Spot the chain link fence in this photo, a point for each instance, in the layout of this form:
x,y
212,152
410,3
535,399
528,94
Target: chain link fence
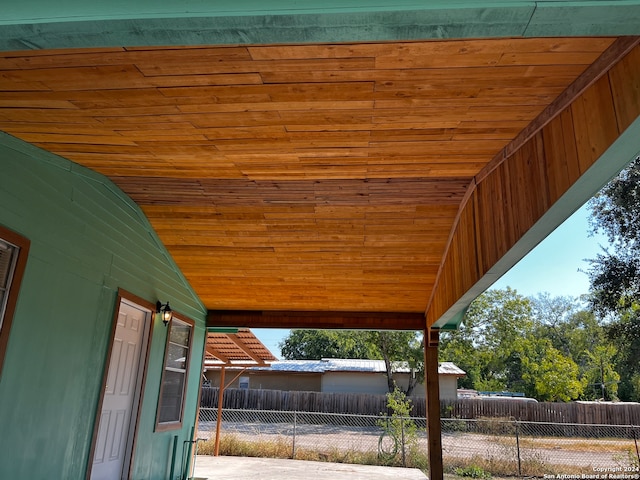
x,y
497,446
542,449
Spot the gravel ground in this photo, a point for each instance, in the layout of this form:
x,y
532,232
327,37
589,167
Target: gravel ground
x,y
563,452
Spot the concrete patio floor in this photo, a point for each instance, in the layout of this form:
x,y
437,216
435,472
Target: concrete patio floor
x,y
230,468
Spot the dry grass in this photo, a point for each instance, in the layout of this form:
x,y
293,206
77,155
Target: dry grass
x,y
233,445
493,465
498,465
579,445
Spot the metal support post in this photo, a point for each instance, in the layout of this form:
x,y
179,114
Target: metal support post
x,y
216,449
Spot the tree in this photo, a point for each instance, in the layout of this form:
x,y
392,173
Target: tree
x,y
502,345
555,319
624,333
396,348
547,374
601,373
483,346
615,211
614,274
318,344
458,347
404,349
577,334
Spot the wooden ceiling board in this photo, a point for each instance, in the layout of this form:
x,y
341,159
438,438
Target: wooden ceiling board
x,y
296,177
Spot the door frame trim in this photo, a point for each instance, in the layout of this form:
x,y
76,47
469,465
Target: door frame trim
x,y
131,298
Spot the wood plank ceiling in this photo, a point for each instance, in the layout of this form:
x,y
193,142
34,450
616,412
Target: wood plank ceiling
x,y
294,177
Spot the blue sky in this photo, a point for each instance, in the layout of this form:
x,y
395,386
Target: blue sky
x,y
553,267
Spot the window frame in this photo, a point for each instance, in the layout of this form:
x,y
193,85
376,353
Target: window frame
x,y
174,424
16,274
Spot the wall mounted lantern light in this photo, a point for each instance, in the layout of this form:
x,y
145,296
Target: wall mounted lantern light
x,y
165,310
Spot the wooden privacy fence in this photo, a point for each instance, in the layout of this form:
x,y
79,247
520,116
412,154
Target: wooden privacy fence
x,y
553,412
248,399
468,408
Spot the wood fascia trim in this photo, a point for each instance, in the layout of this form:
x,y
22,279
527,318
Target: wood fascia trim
x,y
317,319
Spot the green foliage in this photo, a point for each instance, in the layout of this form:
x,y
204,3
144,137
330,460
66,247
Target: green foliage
x,y
554,348
318,344
545,347
399,404
624,333
394,347
548,375
483,346
614,274
489,385
600,371
472,471
457,347
398,428
616,208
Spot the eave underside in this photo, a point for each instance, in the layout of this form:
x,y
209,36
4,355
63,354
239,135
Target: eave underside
x,y
330,159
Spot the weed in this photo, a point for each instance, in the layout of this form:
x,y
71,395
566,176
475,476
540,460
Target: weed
x,y
495,426
233,445
400,433
472,471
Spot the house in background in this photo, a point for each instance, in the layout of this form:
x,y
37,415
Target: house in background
x,y
332,375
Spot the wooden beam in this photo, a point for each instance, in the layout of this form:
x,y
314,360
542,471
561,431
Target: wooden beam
x,y
230,382
242,346
218,355
432,386
316,319
240,365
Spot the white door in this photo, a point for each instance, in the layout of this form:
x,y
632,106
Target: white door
x,y
112,452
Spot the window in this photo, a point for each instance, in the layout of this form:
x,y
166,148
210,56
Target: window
x,y
8,260
174,375
13,259
243,383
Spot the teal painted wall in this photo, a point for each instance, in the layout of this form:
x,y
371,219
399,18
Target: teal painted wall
x,y
73,23
87,240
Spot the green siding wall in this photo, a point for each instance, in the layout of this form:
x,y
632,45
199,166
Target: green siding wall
x,y
88,240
